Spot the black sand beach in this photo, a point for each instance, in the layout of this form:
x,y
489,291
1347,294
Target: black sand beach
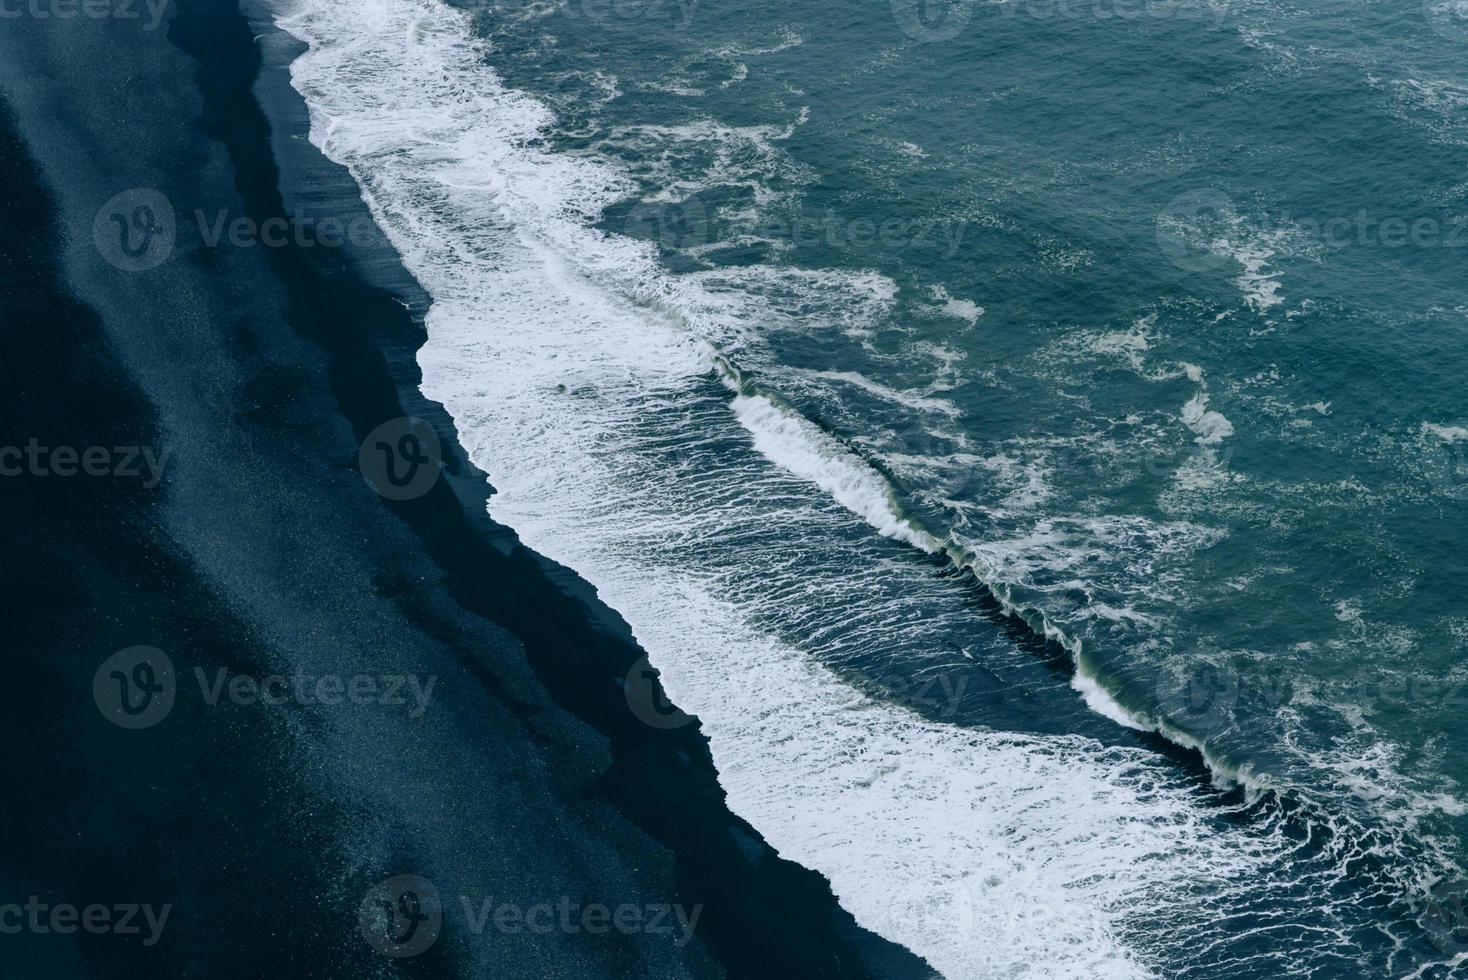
x,y
254,373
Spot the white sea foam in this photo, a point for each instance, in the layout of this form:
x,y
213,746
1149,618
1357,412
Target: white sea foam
x,y
1253,244
1101,701
960,309
741,72
794,443
1259,286
1447,433
578,377
908,399
1131,344
1211,428
788,38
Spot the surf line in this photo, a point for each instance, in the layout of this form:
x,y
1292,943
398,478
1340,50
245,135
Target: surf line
x,y
859,484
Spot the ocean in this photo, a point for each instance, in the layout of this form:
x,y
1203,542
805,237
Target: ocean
x,y
1029,436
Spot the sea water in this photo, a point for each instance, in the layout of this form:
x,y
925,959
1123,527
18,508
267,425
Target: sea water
x,y
1028,435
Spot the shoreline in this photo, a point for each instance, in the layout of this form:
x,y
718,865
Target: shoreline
x,y
263,371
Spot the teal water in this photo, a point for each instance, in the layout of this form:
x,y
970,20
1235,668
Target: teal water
x,y
1154,315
